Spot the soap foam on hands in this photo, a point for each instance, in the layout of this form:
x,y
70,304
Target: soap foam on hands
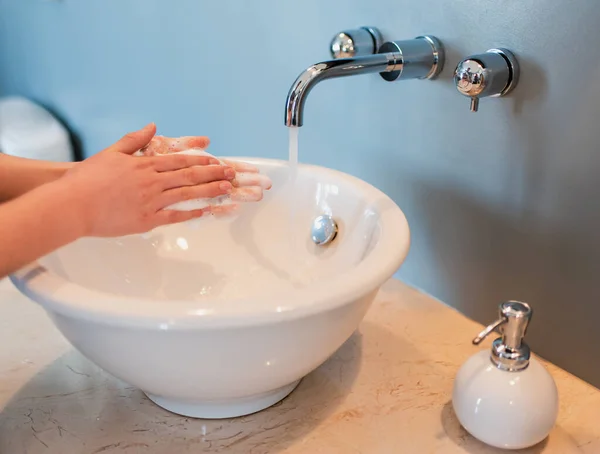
x,y
247,187
200,204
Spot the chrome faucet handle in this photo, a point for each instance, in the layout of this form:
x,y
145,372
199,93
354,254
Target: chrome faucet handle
x,y
492,74
355,43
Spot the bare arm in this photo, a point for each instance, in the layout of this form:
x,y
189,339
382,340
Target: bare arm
x,y
110,194
34,225
20,175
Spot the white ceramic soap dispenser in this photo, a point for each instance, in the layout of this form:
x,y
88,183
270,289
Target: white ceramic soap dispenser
x,y
506,398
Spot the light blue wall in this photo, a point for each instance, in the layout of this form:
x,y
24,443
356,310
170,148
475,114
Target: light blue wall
x,y
502,203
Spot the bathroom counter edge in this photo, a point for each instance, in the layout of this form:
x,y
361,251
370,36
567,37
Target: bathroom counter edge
x,y
387,389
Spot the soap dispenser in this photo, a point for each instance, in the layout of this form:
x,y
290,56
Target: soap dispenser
x,y
506,398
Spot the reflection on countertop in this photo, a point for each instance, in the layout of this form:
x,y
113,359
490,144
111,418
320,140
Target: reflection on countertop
x,y
386,390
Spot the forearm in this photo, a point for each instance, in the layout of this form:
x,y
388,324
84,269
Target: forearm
x,y
34,225
20,175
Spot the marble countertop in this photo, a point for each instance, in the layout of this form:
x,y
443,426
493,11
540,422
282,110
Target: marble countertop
x,y
387,390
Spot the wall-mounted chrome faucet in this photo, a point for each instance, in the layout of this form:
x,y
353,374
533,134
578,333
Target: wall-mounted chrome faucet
x,y
494,73
358,52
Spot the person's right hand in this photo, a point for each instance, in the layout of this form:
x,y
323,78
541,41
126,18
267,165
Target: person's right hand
x,y
118,194
248,184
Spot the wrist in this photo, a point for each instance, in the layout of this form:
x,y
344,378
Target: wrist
x,y
63,208
60,168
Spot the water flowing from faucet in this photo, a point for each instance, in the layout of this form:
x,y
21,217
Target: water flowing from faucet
x,y
293,168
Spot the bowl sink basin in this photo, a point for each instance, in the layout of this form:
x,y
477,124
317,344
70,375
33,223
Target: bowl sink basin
x,y
224,317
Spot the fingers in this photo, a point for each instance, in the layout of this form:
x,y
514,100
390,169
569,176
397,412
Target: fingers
x,y
180,161
196,175
132,142
203,191
164,217
245,179
187,142
161,145
248,175
250,194
221,210
240,166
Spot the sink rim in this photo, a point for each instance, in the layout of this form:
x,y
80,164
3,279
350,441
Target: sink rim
x,y
60,295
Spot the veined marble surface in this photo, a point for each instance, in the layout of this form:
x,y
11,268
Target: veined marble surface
x,y
386,391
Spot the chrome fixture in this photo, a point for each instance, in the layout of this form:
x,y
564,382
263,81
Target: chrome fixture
x,y
324,230
419,58
494,73
354,43
510,352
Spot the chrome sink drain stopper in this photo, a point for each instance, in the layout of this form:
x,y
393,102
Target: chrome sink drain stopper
x,y
324,230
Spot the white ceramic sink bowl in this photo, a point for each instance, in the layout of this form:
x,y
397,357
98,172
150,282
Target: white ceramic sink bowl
x,y
225,318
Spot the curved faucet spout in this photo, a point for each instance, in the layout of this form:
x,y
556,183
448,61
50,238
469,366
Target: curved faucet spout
x,y
419,58
377,63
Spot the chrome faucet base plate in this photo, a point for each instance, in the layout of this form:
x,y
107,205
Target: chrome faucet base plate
x,y
513,68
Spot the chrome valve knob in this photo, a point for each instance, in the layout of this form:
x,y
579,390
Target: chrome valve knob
x,y
355,43
492,74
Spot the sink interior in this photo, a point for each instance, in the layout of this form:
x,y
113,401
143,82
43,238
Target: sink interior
x,y
265,248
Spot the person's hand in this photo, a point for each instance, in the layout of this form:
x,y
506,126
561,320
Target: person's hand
x,y
248,184
118,194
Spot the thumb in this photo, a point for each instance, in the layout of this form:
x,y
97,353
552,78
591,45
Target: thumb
x,y
134,141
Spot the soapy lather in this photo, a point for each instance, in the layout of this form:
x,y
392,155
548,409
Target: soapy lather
x,y
248,184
